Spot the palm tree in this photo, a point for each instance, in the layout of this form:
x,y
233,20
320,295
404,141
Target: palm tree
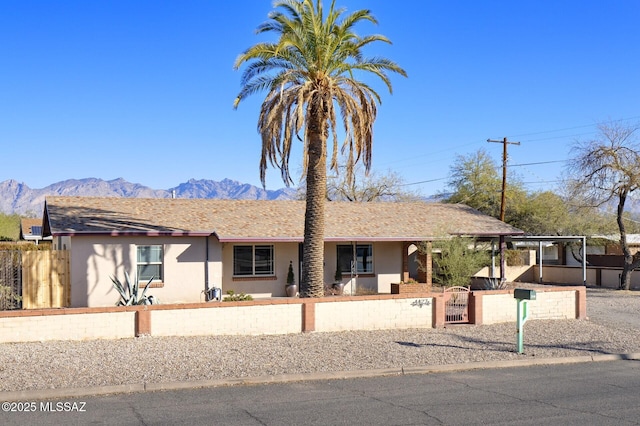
x,y
310,76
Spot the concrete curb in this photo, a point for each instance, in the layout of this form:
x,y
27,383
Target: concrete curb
x,y
43,394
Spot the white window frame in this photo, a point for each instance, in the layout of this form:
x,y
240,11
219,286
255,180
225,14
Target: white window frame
x,y
139,263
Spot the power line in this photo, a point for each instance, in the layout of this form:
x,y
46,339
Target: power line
x,y
560,137
522,164
422,181
541,181
454,148
572,128
535,164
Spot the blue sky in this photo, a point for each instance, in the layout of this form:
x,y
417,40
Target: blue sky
x,y
143,90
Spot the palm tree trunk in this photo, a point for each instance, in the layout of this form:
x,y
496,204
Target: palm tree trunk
x,y
312,284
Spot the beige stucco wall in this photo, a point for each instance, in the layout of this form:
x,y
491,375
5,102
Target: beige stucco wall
x,y
261,286
563,274
94,259
387,267
387,258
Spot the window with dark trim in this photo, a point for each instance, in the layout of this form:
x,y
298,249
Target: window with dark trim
x,y
149,263
363,258
253,260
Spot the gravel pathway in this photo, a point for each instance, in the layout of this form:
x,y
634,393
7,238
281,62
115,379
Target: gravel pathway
x,y
614,327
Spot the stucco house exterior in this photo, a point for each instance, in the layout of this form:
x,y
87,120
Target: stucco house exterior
x,y
191,245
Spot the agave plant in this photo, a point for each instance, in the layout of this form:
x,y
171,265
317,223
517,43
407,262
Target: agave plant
x,y
129,292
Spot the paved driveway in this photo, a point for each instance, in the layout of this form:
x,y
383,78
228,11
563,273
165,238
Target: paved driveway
x,y
614,308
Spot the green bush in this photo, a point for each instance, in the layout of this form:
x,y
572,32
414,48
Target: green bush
x,y
458,260
232,297
9,227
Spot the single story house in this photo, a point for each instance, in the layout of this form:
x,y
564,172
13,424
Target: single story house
x,y
190,245
31,230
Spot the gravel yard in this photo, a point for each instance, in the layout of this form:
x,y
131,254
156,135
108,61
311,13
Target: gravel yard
x,y
613,328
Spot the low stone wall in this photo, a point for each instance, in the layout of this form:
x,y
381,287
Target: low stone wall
x,y
280,316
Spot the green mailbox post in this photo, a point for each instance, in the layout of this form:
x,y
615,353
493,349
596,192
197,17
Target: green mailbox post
x,y
522,295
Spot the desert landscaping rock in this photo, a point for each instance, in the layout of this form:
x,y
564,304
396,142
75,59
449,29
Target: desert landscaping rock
x,y
611,329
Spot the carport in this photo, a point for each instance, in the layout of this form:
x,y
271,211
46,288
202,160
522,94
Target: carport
x,y
552,239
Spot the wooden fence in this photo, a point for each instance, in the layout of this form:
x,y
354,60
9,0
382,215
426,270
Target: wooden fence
x,y
45,279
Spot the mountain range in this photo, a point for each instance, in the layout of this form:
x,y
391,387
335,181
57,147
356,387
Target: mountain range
x,y
17,197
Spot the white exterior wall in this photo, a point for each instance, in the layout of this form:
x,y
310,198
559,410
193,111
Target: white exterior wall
x,y
95,259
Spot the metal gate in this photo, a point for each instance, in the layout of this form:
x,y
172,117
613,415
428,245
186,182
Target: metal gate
x,y
456,305
10,279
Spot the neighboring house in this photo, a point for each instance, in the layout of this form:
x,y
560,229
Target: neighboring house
x,y
189,245
31,230
610,251
612,243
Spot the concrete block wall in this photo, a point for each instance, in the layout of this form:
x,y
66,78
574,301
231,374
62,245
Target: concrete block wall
x,y
497,308
550,303
553,305
85,326
228,320
382,314
279,316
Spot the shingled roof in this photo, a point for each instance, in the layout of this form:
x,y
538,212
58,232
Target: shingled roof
x,y
258,220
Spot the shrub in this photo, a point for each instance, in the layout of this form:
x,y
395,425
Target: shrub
x,y
129,292
458,260
232,297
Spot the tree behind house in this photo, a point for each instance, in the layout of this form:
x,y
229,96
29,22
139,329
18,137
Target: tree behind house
x,y
607,169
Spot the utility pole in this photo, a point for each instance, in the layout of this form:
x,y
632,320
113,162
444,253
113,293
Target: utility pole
x,y
503,202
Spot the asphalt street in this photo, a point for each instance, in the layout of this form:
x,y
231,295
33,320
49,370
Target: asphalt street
x,y
603,393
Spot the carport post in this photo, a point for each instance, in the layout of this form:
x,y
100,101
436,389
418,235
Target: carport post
x,y
493,259
584,261
540,262
503,266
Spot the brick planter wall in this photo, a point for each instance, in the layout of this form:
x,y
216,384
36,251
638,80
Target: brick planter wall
x,y
408,288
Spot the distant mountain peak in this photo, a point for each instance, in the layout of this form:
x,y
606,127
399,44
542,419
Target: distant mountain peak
x,y
18,198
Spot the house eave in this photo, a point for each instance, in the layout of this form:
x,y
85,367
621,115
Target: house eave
x,y
70,233
340,239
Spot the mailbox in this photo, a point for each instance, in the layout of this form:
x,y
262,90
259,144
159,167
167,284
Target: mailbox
x,y
524,294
